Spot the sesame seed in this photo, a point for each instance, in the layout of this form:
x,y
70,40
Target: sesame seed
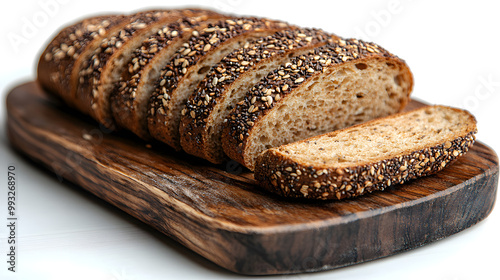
x,y
87,137
140,25
207,47
299,80
304,190
447,145
269,101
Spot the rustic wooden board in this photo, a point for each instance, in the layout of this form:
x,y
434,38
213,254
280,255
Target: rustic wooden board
x,y
219,212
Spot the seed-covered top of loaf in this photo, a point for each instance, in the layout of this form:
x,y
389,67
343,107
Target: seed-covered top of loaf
x,y
141,56
64,50
71,44
291,75
202,42
94,65
243,59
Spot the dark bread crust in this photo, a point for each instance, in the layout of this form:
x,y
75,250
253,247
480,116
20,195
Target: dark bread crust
x,y
56,64
163,117
280,174
196,133
126,103
288,79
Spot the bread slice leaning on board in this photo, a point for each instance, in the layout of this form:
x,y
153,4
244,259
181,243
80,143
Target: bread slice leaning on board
x,y
368,157
331,87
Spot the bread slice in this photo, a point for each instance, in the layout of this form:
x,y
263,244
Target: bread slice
x,y
130,97
329,88
369,156
67,49
102,69
191,64
228,81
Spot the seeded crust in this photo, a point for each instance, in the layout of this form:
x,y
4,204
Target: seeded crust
x,y
130,97
328,167
228,81
268,115
66,49
191,64
102,69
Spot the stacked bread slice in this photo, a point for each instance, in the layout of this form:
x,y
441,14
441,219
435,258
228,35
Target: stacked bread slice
x,y
219,86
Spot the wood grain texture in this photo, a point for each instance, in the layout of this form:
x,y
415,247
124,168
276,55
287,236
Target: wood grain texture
x,y
219,212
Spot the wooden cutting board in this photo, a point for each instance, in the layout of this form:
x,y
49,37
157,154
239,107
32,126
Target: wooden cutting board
x,y
219,212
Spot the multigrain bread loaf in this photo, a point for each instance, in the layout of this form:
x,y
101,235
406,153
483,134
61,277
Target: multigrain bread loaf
x,y
190,65
368,157
331,87
66,51
239,85
130,97
228,81
103,68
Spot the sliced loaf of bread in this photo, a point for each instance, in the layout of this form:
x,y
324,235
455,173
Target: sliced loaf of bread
x,y
191,64
369,156
130,97
228,81
331,87
100,72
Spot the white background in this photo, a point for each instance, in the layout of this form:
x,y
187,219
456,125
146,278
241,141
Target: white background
x,y
452,48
